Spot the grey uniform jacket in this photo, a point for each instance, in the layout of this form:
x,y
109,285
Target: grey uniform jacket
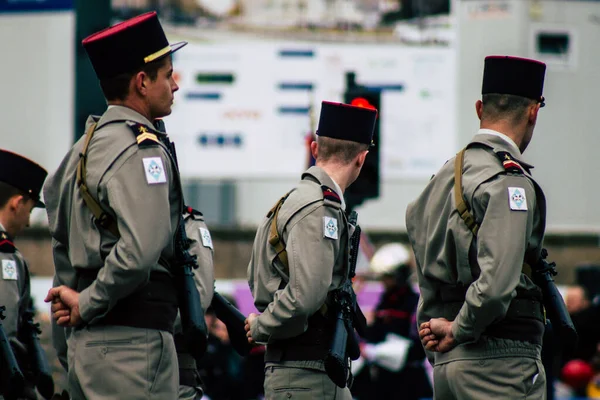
x,y
511,231
315,233
14,285
139,187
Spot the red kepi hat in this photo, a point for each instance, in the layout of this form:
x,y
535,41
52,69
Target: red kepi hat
x,y
127,46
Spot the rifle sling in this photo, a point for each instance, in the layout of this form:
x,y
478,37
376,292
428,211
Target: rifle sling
x,y
104,219
274,239
459,199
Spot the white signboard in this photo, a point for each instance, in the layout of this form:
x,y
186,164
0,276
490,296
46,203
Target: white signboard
x,y
243,108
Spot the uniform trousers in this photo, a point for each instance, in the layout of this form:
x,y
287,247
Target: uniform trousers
x,y
499,378
121,362
287,382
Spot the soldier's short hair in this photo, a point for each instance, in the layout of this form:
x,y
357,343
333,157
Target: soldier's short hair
x,y
7,192
117,88
343,151
505,106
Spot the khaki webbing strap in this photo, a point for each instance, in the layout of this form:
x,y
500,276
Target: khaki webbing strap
x,y
278,245
274,238
461,205
104,219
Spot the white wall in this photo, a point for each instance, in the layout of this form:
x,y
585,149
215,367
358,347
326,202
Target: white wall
x,y
36,81
36,77
565,146
564,149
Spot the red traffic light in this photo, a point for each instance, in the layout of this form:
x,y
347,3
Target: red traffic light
x,y
362,102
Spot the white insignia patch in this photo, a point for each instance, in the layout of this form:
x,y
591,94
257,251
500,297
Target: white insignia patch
x,y
9,270
155,171
330,228
206,239
517,199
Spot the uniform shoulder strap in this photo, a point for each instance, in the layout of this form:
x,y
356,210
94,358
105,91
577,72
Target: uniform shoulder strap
x,y
509,163
330,197
145,135
459,199
6,244
104,219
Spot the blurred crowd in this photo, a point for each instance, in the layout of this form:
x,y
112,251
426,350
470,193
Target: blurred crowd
x,y
577,372
391,354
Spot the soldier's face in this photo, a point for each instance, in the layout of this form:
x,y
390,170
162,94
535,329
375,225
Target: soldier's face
x,y
160,91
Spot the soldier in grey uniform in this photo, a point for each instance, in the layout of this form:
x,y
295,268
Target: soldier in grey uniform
x,y
112,218
290,278
475,230
21,181
201,246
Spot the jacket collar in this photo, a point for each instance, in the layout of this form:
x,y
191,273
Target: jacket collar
x,y
499,144
117,113
321,177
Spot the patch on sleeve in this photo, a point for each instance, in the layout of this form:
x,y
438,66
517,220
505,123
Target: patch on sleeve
x,y
517,199
9,270
330,227
206,239
155,170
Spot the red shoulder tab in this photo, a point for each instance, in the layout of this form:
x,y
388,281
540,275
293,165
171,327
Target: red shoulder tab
x,y
192,211
509,163
6,245
330,194
144,135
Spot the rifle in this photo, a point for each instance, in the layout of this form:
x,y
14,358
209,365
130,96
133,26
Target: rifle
x,y
36,355
348,317
543,276
194,330
12,382
234,320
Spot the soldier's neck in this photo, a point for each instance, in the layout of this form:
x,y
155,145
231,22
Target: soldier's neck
x,y
135,105
339,173
516,133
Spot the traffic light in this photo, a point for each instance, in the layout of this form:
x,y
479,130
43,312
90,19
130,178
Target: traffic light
x,y
366,185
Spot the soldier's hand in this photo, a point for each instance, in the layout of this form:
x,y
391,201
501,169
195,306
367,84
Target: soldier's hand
x,y
428,339
248,326
441,329
65,306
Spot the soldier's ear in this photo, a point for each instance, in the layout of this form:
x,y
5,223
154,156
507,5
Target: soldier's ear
x,y
140,82
479,108
15,201
360,159
533,113
314,149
